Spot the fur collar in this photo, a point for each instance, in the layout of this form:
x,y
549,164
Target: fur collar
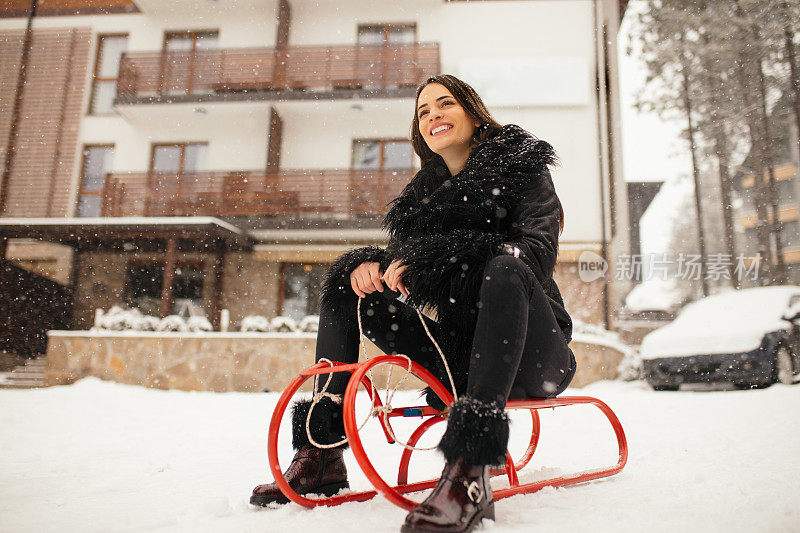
x,y
479,195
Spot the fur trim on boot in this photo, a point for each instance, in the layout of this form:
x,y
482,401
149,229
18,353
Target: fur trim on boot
x,y
477,431
326,424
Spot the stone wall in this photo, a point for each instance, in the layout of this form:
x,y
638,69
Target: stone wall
x,y
595,362
248,362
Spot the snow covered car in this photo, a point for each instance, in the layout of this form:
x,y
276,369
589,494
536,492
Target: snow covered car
x,y
749,337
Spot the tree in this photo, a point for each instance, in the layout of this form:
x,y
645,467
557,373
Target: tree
x,y
718,64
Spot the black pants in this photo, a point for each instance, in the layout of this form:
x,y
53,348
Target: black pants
x,y
518,350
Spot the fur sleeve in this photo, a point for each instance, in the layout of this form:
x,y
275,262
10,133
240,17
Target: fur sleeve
x,y
533,226
336,292
444,266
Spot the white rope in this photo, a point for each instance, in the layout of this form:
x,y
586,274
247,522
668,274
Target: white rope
x,y
444,359
335,398
386,408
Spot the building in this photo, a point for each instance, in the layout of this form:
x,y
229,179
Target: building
x,y
219,154
786,161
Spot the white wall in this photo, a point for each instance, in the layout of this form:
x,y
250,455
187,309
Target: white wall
x,y
552,97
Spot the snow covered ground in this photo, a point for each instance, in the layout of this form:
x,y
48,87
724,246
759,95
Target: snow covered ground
x,y
100,456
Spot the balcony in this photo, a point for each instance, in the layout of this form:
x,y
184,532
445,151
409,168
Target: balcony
x,y
254,193
267,73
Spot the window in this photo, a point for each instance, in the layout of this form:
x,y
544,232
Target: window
x,y
790,233
144,284
178,158
173,178
106,69
383,47
96,164
751,241
372,191
387,34
143,287
187,290
185,66
191,41
300,286
382,154
786,192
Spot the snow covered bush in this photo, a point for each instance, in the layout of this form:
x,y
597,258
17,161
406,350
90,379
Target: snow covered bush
x,y
119,319
255,323
631,367
149,323
116,319
199,323
172,323
284,324
310,323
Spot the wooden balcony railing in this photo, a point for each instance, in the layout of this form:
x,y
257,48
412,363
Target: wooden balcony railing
x,y
203,72
240,193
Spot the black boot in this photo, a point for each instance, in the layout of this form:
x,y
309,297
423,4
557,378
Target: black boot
x,y
312,470
475,439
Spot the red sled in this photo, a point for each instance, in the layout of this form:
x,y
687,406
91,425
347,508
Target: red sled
x,y
430,416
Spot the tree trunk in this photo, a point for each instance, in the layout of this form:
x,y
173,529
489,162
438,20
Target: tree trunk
x,y
779,272
744,74
794,74
721,151
687,101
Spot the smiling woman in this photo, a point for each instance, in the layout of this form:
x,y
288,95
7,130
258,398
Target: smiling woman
x,y
474,238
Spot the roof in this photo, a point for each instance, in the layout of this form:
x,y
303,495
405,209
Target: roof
x,y
89,231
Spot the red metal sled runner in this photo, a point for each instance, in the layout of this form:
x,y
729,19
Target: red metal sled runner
x,y
396,493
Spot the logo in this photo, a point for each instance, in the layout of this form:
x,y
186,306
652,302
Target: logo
x,y
591,266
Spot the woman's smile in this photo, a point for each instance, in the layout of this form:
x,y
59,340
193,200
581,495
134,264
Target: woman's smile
x,y
441,129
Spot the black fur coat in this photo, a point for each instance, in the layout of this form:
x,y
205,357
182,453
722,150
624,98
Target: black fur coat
x,y
446,228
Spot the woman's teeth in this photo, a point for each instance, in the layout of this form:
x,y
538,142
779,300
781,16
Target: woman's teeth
x,y
439,129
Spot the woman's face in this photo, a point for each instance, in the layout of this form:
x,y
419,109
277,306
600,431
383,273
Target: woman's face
x,y
436,107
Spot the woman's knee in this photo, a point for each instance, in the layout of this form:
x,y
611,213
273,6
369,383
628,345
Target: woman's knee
x,y
505,270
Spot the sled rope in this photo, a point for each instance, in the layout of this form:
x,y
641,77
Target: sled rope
x,y
384,410
336,399
427,331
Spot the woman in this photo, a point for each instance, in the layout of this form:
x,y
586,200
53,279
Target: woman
x,y
473,241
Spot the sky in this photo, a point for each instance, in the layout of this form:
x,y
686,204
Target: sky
x,y
651,146
652,149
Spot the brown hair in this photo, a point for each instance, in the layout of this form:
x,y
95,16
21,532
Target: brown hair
x,y
468,99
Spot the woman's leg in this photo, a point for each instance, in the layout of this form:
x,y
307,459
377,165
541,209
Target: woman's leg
x,y
394,328
518,350
518,347
389,324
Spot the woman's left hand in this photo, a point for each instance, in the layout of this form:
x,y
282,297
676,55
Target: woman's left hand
x,y
392,276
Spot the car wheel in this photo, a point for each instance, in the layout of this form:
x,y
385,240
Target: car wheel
x,y
783,366
666,387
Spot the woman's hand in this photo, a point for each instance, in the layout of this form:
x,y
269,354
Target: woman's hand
x,y
366,278
392,276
